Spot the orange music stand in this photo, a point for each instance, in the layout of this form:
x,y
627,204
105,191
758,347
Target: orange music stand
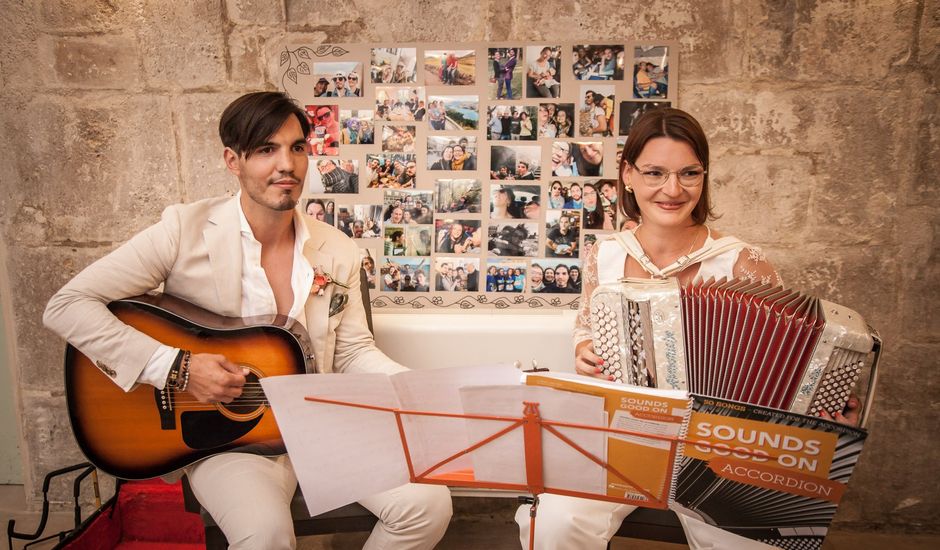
x,y
532,426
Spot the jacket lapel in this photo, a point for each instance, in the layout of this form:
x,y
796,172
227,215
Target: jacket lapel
x,y
317,309
223,242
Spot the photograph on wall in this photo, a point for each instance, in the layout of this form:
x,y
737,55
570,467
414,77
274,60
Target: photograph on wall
x,y
357,126
450,67
543,78
515,162
390,170
510,122
457,274
419,239
399,103
458,196
559,276
405,274
398,139
513,239
324,129
555,120
562,233
394,65
368,260
621,142
650,72
504,68
565,194
332,176
408,206
514,201
587,158
452,152
631,110
360,221
588,240
408,240
506,275
456,236
563,163
320,209
459,112
599,212
592,62
596,115
343,76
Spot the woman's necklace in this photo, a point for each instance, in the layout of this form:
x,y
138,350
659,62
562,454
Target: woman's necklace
x,y
636,232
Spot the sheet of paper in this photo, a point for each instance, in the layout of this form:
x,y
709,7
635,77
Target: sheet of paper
x,y
437,390
503,460
332,446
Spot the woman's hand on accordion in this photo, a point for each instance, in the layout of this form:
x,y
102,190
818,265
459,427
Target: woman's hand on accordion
x,y
587,362
848,416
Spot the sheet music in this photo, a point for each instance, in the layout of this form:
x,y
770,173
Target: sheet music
x,y
437,390
503,460
331,446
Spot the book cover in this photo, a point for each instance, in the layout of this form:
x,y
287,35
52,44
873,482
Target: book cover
x,y
649,465
768,475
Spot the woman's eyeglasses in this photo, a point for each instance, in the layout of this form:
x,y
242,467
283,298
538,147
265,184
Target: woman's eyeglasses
x,y
655,176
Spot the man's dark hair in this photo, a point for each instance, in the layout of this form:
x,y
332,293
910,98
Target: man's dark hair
x,y
250,120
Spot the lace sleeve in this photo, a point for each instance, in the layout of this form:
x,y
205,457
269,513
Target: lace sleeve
x,y
582,325
752,264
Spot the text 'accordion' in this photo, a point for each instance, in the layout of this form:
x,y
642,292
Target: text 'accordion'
x,y
733,339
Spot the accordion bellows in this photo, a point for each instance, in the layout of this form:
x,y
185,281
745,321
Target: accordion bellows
x,y
733,339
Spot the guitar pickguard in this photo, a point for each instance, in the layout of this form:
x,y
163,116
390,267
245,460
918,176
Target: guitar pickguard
x,y
203,430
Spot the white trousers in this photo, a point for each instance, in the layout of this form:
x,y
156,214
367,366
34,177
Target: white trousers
x,y
565,523
249,498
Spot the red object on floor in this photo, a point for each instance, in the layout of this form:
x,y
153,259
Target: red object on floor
x,y
146,515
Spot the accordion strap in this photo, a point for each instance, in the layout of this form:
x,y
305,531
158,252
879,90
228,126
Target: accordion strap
x,y
712,248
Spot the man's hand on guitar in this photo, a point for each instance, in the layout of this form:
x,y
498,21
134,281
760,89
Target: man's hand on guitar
x,y
213,378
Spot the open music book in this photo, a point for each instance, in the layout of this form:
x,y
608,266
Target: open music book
x,y
650,463
788,494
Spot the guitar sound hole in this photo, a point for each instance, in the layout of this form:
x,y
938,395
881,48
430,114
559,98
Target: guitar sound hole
x,y
251,399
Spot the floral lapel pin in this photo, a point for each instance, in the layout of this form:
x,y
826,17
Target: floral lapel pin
x,y
321,280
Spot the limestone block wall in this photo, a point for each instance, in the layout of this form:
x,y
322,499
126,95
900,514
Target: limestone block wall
x,y
822,117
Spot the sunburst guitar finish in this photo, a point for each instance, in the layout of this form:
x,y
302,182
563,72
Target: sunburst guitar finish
x,y
146,433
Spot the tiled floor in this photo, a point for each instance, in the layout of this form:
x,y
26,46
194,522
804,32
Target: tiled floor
x,y
492,532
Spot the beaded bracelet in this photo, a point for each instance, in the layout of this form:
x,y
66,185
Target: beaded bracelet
x,y
184,372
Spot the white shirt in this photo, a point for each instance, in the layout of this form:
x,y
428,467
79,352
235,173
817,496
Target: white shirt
x,y
257,294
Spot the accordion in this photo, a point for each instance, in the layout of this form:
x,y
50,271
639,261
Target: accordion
x,y
733,339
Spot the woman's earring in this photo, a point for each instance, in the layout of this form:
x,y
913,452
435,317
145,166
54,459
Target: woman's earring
x,y
627,188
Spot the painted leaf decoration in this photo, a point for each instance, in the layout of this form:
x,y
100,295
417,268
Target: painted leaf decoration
x,y
303,54
285,57
337,51
322,50
292,74
303,68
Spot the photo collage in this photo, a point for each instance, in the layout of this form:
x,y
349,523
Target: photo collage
x,y
484,169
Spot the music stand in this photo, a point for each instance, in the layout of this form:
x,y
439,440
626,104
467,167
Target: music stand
x,y
533,426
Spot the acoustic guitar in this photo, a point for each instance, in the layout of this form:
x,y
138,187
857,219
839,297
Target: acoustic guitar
x,y
147,432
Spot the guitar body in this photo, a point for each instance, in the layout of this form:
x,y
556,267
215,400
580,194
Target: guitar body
x,y
147,433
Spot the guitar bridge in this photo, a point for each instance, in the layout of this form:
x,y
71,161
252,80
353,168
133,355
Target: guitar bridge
x,y
164,399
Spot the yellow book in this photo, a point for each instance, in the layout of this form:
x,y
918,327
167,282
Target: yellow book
x,y
645,468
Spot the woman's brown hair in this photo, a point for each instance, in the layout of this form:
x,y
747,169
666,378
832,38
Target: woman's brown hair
x,y
674,124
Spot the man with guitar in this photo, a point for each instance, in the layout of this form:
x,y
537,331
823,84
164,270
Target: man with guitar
x,y
250,255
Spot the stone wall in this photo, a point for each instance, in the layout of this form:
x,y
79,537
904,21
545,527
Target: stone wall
x,y
822,117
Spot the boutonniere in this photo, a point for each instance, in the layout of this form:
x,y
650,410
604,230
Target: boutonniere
x,y
321,280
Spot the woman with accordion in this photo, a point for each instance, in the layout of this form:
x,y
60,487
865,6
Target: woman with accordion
x,y
663,179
